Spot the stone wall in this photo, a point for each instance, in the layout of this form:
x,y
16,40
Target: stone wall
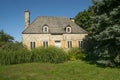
x,y
39,38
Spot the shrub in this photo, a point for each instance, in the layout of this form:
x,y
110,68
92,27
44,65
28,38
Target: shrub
x,y
14,53
14,57
22,55
50,54
75,54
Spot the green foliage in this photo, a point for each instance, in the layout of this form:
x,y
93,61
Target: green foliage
x,y
105,36
50,54
5,37
84,19
11,53
75,54
15,53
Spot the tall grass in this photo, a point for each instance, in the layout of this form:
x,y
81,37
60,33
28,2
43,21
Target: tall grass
x,y
15,53
50,54
14,57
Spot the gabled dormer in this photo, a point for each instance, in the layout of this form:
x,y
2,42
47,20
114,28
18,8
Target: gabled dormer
x,y
68,29
45,28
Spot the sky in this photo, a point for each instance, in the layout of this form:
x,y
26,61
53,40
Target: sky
x,y
12,12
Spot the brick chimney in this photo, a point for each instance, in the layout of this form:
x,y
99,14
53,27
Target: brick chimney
x,y
27,18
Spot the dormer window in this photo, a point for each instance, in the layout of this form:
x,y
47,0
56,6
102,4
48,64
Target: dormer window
x,y
68,29
45,28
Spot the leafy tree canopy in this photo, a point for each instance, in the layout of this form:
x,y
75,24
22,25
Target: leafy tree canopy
x,y
4,37
104,40
84,20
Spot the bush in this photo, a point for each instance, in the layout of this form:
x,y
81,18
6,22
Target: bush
x,y
50,54
22,55
75,54
14,57
14,53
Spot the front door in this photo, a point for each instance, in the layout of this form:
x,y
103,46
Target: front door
x,y
58,44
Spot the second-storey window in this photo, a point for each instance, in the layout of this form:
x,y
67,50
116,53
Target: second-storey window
x,y
68,29
45,29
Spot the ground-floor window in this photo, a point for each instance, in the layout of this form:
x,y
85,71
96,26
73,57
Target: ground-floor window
x,y
80,44
69,44
45,43
58,43
32,45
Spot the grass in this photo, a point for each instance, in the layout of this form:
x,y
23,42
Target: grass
x,y
73,70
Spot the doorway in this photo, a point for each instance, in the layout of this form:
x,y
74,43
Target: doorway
x,y
58,43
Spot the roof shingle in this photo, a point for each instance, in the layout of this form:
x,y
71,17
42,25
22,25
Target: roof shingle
x,y
55,25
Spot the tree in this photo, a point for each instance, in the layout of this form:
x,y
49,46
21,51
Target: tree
x,y
84,20
106,31
5,37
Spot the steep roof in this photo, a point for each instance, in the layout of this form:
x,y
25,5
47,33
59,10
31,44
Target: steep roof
x,y
55,25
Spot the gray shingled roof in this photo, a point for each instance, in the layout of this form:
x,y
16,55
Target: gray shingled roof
x,y
55,25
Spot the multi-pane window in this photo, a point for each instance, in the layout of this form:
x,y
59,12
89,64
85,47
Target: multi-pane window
x,y
68,29
69,44
45,43
80,44
32,45
45,28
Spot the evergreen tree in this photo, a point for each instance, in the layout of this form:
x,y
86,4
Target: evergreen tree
x,y
105,37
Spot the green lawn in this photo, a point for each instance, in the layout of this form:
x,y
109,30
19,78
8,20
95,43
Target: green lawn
x,y
73,70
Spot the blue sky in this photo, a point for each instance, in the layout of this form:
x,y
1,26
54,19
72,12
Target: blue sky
x,y
12,12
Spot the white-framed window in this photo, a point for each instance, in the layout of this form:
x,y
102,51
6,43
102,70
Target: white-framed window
x,y
32,45
69,44
45,43
58,43
45,28
68,29
80,43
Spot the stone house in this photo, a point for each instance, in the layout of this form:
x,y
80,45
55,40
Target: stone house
x,y
52,31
